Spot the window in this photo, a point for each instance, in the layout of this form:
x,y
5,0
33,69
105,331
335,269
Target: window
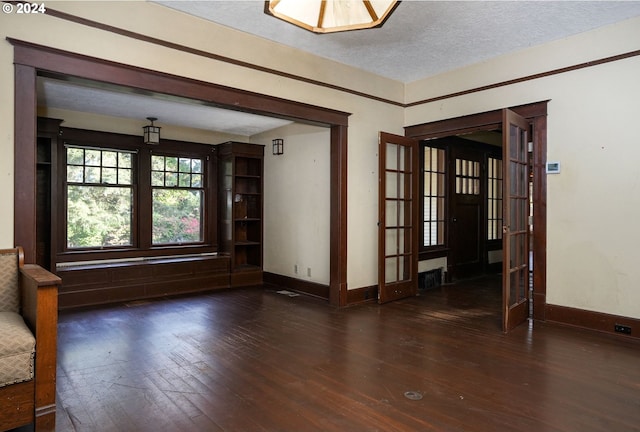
x,y
433,196
467,177
123,199
461,192
494,199
99,197
178,198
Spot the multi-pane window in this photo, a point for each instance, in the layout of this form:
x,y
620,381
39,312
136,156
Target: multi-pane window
x,y
467,177
494,199
177,185
433,197
99,189
103,208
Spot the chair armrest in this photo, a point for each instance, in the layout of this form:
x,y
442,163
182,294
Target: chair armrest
x,y
39,295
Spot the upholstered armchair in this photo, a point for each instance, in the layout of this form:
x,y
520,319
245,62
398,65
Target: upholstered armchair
x,y
28,332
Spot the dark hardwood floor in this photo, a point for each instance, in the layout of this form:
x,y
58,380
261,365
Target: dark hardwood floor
x,y
256,360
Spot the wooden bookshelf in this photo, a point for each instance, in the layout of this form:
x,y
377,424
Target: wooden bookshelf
x,y
241,186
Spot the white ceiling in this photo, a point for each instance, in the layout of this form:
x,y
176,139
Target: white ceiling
x,y
424,37
421,38
119,102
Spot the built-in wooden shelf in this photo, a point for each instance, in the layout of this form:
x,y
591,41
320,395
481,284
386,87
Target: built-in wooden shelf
x,y
241,186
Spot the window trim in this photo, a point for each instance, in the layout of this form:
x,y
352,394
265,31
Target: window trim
x,y
142,210
64,178
440,250
431,252
498,199
203,188
468,177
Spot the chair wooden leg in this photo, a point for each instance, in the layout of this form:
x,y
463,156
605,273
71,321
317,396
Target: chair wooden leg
x,y
45,419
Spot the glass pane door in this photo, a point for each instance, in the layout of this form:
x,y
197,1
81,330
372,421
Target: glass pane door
x,y
515,289
398,213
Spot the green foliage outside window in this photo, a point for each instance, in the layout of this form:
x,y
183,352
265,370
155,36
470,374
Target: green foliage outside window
x,y
177,199
98,216
99,198
176,216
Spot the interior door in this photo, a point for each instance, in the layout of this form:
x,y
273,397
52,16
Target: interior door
x,y
515,246
398,217
466,210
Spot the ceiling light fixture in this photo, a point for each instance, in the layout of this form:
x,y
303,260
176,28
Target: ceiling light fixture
x,y
151,133
328,16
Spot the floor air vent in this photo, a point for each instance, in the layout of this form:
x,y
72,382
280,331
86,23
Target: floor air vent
x,y
429,279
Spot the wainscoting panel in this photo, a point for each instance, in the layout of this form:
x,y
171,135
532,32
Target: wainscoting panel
x,y
86,285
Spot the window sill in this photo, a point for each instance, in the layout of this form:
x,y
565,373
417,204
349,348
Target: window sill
x,y
126,262
433,253
105,256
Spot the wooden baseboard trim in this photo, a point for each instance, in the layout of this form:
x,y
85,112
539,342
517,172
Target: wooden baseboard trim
x,y
539,306
298,285
362,295
591,320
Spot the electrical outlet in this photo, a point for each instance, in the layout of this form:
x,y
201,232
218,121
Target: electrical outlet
x,y
619,328
309,271
295,268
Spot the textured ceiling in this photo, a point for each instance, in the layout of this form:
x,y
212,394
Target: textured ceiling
x,y
423,38
119,102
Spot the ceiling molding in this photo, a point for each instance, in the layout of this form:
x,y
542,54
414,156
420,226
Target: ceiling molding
x,y
213,56
532,77
186,49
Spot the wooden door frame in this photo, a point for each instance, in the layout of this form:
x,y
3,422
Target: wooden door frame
x,y
536,114
32,59
456,148
401,288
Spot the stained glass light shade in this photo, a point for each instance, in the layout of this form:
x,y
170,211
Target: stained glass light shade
x,y
328,16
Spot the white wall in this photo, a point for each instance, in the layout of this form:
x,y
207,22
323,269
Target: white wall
x,y
297,202
368,116
593,205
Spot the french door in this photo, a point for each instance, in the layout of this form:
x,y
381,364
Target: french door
x,y
515,239
398,217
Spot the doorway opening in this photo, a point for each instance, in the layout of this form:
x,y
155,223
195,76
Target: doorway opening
x,y
470,285
524,202
462,205
33,60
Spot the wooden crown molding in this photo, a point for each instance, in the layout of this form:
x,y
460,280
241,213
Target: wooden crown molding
x,y
183,48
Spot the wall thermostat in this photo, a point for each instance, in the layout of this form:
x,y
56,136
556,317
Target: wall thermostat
x,y
553,167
